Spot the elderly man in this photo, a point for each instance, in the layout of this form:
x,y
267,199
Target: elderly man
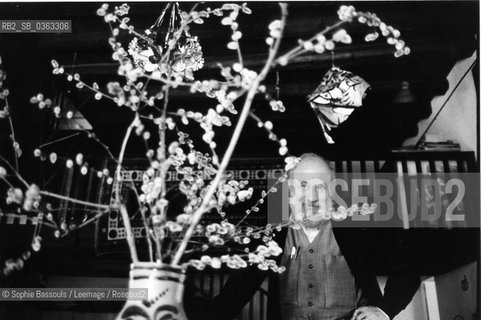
x,y
327,275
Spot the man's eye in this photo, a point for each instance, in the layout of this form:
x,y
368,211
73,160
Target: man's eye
x,y
320,187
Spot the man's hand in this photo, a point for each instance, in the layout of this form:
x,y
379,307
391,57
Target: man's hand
x,y
369,313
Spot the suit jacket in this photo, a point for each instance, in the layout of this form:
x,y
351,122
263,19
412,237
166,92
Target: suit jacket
x,y
242,285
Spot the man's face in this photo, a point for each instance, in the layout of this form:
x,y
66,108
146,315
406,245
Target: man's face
x,y
309,189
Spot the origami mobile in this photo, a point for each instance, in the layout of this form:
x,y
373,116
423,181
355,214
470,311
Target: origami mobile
x,y
338,95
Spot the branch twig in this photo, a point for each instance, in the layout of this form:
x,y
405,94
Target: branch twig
x,y
122,208
85,203
235,137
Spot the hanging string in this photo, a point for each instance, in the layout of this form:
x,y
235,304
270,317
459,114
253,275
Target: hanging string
x,y
278,88
158,23
179,20
171,28
160,19
177,11
332,59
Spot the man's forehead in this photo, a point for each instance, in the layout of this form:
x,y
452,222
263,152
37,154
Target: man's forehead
x,y
312,166
312,170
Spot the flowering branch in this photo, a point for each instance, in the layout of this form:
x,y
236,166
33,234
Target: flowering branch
x,y
347,14
121,156
122,208
17,174
235,137
15,145
272,136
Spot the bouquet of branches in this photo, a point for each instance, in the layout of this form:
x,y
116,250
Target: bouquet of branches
x,y
169,54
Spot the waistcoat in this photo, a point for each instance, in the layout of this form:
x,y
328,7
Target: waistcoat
x,y
317,283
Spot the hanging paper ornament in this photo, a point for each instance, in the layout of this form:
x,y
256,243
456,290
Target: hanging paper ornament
x,y
184,58
337,96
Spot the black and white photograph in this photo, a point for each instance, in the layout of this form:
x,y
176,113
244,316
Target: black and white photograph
x,y
299,160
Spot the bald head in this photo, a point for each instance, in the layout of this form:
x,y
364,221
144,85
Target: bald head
x,y
313,165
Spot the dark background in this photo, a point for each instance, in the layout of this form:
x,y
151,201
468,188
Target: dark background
x,y
438,33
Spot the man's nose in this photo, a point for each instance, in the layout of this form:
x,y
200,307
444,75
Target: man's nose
x,y
310,195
